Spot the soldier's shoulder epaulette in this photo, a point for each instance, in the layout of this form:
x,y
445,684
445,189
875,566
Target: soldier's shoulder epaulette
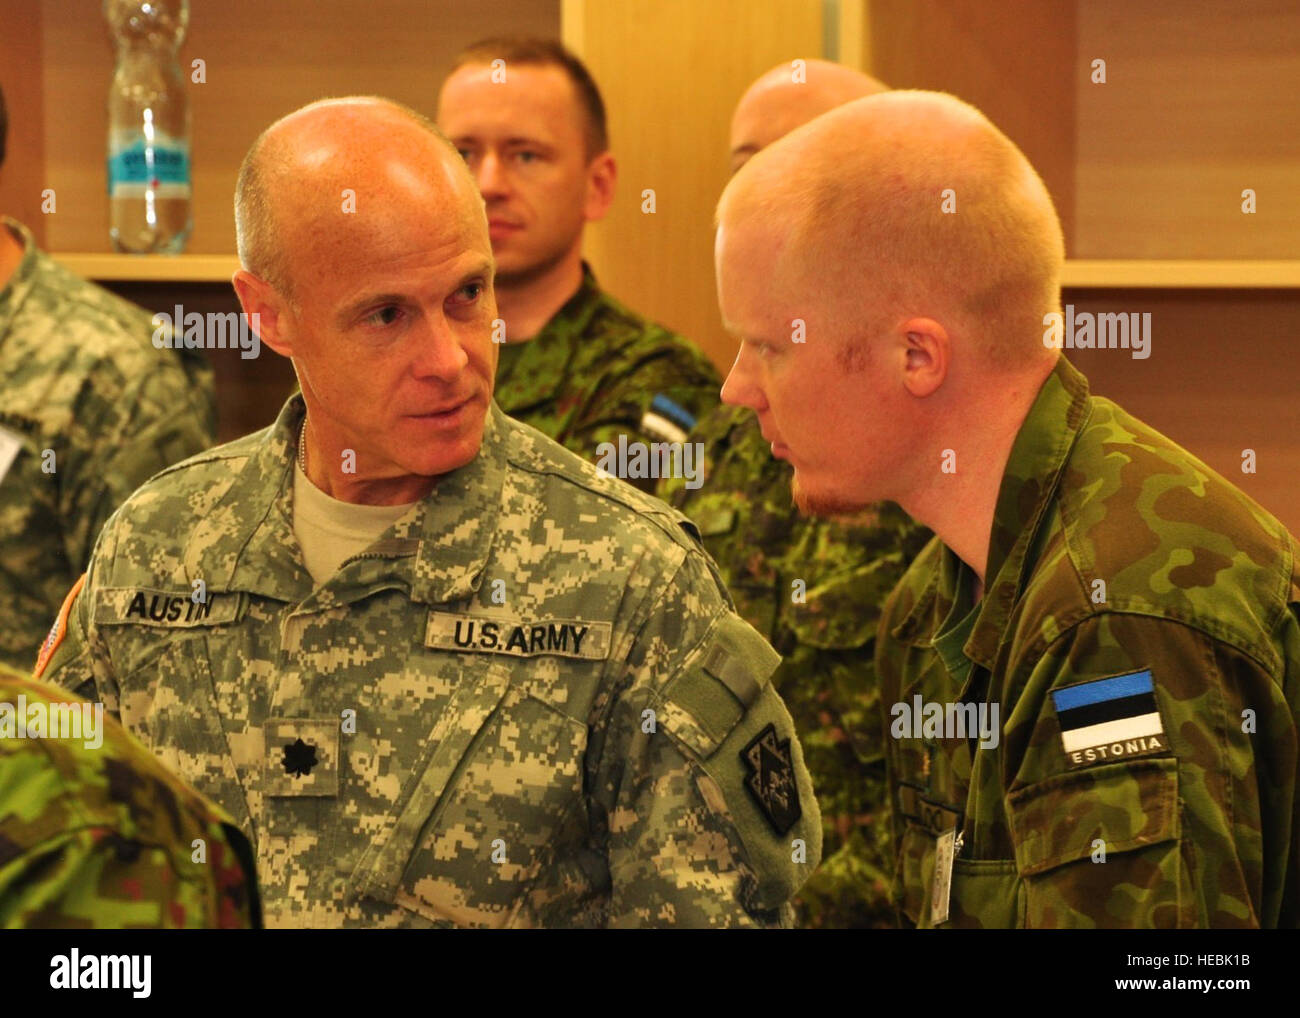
x,y
206,469
1149,528
531,451
118,323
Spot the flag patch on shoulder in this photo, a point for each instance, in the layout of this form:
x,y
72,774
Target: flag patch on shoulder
x,y
1110,719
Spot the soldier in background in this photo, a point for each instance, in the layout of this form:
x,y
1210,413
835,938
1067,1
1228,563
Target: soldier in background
x,y
812,586
95,834
89,410
440,669
576,364
1092,672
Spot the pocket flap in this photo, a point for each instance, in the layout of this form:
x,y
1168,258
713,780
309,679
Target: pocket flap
x,y
1125,805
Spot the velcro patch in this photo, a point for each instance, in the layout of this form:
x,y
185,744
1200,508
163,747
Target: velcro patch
x,y
1110,719
59,630
302,757
770,779
170,609
494,634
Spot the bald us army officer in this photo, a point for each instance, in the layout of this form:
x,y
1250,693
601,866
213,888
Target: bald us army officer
x,y
440,670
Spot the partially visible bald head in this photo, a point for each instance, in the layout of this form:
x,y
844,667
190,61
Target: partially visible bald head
x,y
856,201
296,177
788,96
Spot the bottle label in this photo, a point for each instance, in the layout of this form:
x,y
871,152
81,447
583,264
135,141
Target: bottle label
x,y
136,168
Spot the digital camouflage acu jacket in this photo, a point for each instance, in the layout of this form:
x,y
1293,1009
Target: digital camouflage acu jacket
x,y
94,833
825,634
598,370
1139,637
528,703
89,411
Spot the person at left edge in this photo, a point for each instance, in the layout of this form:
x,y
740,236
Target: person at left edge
x,y
440,670
576,364
96,834
89,411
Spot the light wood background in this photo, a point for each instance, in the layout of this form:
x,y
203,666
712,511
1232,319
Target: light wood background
x,y
671,72
1202,100
1014,60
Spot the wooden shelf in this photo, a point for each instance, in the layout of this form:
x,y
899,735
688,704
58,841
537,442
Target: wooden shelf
x,y
1079,274
151,268
1183,274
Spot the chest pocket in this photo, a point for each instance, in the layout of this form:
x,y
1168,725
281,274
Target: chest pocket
x,y
500,796
1102,847
171,700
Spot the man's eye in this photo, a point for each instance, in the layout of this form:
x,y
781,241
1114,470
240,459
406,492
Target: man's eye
x,y
470,292
527,157
386,315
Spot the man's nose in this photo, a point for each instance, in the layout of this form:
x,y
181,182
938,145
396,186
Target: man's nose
x,y
439,352
492,179
740,387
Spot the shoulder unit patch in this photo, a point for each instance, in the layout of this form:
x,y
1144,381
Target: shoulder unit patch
x,y
770,779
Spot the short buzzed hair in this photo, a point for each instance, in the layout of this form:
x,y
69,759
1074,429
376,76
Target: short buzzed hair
x,y
977,237
538,52
256,235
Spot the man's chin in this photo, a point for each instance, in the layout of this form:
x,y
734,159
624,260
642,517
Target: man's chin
x,y
821,503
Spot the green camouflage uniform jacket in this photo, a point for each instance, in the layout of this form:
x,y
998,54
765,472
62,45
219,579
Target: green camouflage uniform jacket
x,y
598,370
89,411
94,833
528,703
1139,637
825,636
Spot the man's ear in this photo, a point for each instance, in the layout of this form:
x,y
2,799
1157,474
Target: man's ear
x,y
602,175
266,310
928,354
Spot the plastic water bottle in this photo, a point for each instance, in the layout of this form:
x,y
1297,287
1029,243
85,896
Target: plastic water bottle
x,y
148,128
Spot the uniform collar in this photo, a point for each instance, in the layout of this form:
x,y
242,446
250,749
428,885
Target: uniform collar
x,y
19,285
436,553
1029,484
572,319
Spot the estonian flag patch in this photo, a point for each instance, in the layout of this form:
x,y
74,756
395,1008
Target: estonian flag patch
x,y
667,419
1109,719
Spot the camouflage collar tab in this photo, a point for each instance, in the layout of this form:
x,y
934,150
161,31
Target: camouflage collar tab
x,y
1034,468
168,609
245,543
1029,484
498,634
573,317
528,373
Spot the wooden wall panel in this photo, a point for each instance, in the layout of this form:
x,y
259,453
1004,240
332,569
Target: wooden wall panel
x,y
1014,60
263,60
671,72
1200,102
1221,378
22,177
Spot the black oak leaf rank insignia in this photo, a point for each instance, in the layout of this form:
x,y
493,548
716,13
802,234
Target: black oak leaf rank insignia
x,y
770,779
299,758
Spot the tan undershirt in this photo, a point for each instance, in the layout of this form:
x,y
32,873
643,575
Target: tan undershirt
x,y
330,532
